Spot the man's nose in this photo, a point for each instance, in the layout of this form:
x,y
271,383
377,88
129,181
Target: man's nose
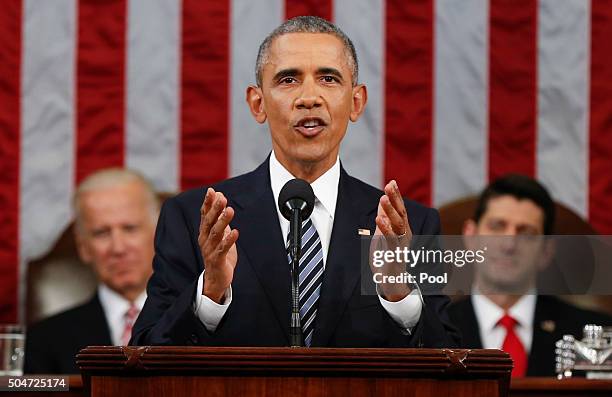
x,y
118,244
509,240
309,95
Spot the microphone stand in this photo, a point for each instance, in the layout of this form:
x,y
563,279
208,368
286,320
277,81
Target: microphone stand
x,y
295,328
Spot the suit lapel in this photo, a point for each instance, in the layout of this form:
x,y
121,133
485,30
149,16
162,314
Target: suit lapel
x,y
542,354
469,326
260,243
342,269
94,320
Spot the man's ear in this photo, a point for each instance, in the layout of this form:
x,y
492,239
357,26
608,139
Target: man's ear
x,y
469,231
254,98
469,227
359,100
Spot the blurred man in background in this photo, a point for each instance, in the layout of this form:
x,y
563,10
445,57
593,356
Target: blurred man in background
x,y
504,311
116,213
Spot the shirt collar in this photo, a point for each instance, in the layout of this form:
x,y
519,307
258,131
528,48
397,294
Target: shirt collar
x,y
325,187
114,305
524,309
488,313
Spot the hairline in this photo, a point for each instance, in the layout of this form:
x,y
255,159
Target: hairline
x,y
497,195
263,54
511,185
111,178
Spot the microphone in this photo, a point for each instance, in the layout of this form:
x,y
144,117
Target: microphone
x,y
296,202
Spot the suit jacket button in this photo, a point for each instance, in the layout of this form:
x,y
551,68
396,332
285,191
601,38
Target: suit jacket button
x,y
194,339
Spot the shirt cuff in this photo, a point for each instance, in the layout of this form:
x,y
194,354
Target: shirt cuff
x,y
406,312
208,311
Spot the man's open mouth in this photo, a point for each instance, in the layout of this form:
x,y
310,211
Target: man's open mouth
x,y
310,126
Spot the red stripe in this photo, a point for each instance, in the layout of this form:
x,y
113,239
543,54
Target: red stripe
x,y
512,84
205,87
600,147
409,96
320,8
10,94
100,85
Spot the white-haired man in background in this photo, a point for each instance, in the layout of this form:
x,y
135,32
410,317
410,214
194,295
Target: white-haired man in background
x,y
116,212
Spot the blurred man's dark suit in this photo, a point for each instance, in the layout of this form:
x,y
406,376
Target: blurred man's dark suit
x,y
260,309
51,345
553,318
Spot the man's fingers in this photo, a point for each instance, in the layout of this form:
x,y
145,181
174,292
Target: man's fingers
x,y
217,231
211,216
395,198
206,203
205,208
383,224
228,241
208,200
397,222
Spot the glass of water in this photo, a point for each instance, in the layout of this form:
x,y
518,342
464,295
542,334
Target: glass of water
x,y
11,349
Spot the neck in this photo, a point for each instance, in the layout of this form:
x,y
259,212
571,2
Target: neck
x,y
505,298
503,301
130,295
309,171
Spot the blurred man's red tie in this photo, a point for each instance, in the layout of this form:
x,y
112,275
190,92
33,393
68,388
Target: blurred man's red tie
x,y
130,317
514,346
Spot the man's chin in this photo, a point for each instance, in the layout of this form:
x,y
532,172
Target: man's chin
x,y
313,153
126,286
505,270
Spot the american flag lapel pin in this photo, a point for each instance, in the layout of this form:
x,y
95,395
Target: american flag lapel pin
x,y
548,325
363,232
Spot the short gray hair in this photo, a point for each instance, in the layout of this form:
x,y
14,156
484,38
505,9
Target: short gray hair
x,y
306,24
110,177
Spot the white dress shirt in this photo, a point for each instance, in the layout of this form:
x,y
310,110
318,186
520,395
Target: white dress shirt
x,y
488,314
115,307
405,312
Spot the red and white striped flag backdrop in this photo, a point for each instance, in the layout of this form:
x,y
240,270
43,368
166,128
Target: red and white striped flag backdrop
x,y
460,91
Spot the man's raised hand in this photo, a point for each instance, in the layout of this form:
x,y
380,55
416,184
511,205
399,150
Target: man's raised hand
x,y
392,223
217,244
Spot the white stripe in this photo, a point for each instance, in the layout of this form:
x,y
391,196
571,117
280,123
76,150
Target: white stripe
x,y
315,279
308,252
563,100
47,136
461,92
311,266
308,235
310,302
251,22
363,145
308,339
303,255
310,320
153,48
47,125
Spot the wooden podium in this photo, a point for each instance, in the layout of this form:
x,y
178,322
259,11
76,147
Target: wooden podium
x,y
230,371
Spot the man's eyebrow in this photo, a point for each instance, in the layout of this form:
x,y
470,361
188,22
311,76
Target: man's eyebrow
x,y
330,71
291,72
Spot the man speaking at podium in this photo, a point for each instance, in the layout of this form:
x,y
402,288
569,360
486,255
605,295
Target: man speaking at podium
x,y
221,269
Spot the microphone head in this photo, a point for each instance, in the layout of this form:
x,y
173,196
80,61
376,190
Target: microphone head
x,y
297,193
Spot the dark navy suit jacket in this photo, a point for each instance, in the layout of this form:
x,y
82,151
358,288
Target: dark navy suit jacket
x,y
260,309
52,344
553,318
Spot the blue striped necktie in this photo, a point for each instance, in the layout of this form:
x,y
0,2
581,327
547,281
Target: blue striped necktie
x,y
311,277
